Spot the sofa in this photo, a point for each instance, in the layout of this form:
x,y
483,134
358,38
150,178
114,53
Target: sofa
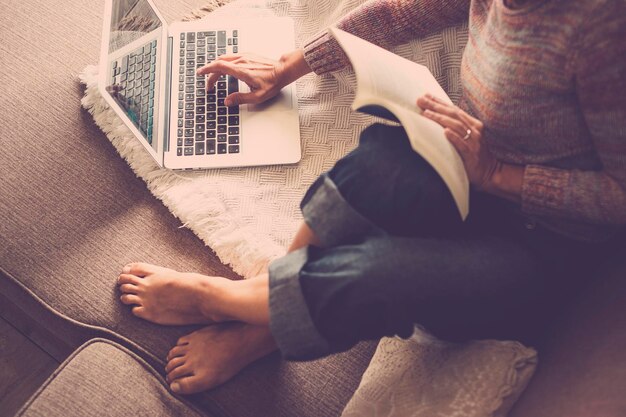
x,y
72,213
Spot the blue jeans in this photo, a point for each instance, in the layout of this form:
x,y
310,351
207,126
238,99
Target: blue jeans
x,y
395,253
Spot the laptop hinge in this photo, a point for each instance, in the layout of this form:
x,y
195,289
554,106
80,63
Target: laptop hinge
x,y
168,95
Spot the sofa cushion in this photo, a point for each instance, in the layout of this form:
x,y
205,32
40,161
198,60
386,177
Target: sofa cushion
x,y
104,378
422,377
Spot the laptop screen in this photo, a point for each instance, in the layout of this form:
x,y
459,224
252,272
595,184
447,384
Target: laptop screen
x,y
132,73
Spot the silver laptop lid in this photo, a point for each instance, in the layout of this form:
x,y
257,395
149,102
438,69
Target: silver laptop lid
x,y
131,78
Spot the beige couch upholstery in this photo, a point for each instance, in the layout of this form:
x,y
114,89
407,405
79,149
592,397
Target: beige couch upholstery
x,y
72,213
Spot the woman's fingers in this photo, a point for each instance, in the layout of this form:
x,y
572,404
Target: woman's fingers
x,y
471,122
222,67
429,102
211,80
236,99
446,121
456,140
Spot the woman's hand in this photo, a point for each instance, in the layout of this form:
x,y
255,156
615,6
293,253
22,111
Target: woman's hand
x,y
465,134
265,77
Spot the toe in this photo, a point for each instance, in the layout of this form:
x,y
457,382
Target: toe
x,y
139,311
188,385
140,269
179,372
176,351
130,299
128,279
129,289
175,363
183,341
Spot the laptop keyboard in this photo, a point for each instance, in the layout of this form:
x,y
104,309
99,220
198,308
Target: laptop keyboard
x,y
205,125
133,76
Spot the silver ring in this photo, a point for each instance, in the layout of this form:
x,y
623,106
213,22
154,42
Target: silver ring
x,y
467,134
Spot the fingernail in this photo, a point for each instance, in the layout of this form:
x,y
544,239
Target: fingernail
x,y
175,387
126,269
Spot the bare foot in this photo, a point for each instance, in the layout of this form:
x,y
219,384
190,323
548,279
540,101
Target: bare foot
x,y
165,296
211,356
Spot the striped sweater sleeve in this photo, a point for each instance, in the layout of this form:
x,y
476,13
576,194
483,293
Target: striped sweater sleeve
x,y
385,23
600,66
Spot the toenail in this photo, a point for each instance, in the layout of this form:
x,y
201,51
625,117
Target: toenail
x,y
126,269
175,387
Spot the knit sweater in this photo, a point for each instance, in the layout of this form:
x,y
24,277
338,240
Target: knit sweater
x,y
548,81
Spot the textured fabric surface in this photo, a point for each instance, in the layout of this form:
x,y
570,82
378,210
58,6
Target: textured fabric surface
x,y
422,377
72,213
249,215
103,378
575,176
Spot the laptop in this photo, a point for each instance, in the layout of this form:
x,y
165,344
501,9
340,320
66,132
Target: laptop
x,y
148,77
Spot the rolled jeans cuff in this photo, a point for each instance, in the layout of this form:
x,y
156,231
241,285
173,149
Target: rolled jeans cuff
x,y
333,220
290,322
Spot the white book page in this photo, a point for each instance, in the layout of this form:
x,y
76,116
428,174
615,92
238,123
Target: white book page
x,y
395,83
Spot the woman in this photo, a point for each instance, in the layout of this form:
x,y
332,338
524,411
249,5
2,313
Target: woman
x,y
541,129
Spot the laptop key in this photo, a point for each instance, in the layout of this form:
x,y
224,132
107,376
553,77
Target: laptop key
x,y
233,110
210,116
222,111
200,128
200,148
179,142
233,120
180,133
221,148
221,120
188,141
233,149
200,118
200,109
233,84
210,134
221,39
233,140
189,105
211,107
179,151
191,36
200,101
189,133
210,125
189,151
210,147
233,130
189,124
221,129
221,138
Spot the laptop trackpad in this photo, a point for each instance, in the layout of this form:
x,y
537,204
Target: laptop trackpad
x,y
282,102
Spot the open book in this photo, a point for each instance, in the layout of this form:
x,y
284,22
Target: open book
x,y
388,86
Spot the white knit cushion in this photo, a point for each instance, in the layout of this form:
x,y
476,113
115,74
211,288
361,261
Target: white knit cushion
x,y
425,377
